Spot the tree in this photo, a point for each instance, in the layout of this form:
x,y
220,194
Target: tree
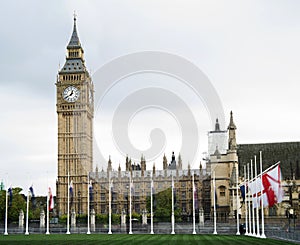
x,y
18,203
163,209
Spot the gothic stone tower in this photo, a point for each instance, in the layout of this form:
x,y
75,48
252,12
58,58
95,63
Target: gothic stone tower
x,y
75,111
225,167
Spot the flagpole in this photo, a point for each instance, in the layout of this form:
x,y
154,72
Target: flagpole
x,y
257,204
130,217
68,211
249,204
253,213
172,215
262,201
27,212
237,202
215,211
109,206
88,205
194,219
6,213
48,199
152,186
246,210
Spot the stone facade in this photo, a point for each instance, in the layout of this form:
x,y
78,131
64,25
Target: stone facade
x,y
162,180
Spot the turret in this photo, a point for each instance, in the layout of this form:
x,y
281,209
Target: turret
x,y
165,163
179,167
231,134
109,165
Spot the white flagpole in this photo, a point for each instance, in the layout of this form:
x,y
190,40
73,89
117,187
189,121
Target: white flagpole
x,y
246,209
88,205
109,206
249,203
152,186
262,201
253,213
172,217
130,208
237,202
256,199
194,219
215,211
233,198
27,212
48,199
68,211
6,213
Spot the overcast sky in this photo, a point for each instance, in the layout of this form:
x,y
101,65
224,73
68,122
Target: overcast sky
x,y
249,50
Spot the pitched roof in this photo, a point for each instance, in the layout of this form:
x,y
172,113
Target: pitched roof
x,y
74,41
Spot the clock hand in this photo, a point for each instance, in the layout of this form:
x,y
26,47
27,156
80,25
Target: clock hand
x,y
69,95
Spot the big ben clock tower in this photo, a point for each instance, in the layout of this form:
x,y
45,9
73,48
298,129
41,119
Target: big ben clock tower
x,y
75,111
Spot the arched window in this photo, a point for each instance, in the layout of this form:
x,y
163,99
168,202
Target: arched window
x,y
222,190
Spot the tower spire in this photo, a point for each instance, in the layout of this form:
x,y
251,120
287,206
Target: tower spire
x,y
217,125
74,41
75,54
232,138
231,124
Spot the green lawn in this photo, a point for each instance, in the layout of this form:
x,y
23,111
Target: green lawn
x,y
124,239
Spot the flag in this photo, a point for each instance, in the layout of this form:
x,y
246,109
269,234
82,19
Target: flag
x,y
272,186
255,188
91,192
71,192
51,200
174,193
272,190
131,188
111,186
153,194
195,196
33,201
216,198
10,193
243,192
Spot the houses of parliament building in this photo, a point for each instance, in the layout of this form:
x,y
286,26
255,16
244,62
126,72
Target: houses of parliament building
x,y
75,113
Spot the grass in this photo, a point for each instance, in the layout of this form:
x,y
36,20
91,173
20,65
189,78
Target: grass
x,y
136,239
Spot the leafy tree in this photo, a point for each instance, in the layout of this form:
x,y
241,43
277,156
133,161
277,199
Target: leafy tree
x,y
162,206
102,218
18,203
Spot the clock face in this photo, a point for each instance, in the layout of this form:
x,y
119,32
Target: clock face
x,y
71,94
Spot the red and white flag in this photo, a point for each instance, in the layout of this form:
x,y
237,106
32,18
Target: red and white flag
x,y
51,200
272,189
